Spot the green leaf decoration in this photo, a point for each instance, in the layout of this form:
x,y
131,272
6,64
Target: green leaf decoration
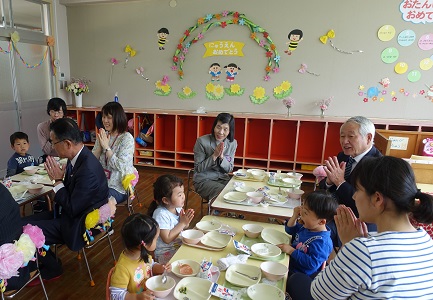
x,y
239,93
182,95
258,101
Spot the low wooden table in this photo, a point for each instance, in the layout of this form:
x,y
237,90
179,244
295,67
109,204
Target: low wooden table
x,y
279,212
197,254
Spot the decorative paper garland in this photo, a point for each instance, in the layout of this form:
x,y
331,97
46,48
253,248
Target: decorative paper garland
x,y
331,34
237,19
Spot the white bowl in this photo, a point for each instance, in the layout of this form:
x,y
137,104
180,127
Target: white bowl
x,y
255,197
192,236
265,250
35,188
252,230
294,193
294,175
159,289
262,291
273,270
176,267
31,170
258,174
275,237
241,173
207,226
292,182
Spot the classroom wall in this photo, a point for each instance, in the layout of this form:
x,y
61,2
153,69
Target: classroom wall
x,y
100,32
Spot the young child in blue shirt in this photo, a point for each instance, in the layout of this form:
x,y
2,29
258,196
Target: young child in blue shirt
x,y
311,239
20,159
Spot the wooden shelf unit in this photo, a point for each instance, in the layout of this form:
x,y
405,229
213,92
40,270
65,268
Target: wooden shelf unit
x,y
266,141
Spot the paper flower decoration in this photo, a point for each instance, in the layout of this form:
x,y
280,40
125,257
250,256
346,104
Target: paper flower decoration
x,y
233,18
186,93
234,90
214,92
283,90
113,62
162,87
129,53
259,95
329,36
140,71
304,69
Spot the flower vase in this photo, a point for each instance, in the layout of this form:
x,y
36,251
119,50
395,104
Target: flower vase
x,y
322,113
79,100
289,111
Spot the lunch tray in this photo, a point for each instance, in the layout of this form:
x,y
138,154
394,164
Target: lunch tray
x,y
279,284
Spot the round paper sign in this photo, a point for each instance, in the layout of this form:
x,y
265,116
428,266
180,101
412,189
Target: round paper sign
x,y
426,64
389,55
386,33
406,37
414,76
426,41
401,68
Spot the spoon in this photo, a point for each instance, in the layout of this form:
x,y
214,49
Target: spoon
x,y
164,277
246,275
23,193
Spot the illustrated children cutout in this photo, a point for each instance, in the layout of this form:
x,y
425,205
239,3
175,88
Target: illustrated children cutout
x,y
215,71
295,36
430,93
231,71
162,37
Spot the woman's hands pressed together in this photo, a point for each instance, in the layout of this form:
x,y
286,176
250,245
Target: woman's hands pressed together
x,y
219,151
103,138
348,225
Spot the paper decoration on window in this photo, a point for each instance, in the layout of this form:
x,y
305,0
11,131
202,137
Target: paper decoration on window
x,y
259,95
386,33
429,95
234,90
140,71
304,69
425,42
406,38
129,53
295,37
186,93
414,76
385,82
231,71
113,62
222,20
389,55
283,90
162,37
401,68
426,64
329,36
223,48
214,92
215,71
416,11
162,87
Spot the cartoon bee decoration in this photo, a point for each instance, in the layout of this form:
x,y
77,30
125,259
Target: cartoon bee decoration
x,y
295,37
162,37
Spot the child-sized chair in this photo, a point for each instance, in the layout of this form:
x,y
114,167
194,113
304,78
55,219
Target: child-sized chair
x,y
107,286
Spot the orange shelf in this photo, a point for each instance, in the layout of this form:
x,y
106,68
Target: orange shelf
x,y
283,131
310,141
257,138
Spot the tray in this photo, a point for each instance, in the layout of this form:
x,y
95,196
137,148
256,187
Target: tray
x,y
250,241
282,184
279,284
291,203
247,178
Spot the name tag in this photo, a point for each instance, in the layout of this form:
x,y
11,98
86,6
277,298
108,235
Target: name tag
x,y
107,173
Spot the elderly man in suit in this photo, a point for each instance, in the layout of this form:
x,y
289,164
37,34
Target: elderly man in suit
x,y
80,186
356,139
214,156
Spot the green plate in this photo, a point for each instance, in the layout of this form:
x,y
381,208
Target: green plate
x,y
282,184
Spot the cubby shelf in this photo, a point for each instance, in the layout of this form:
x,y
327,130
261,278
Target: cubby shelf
x,y
266,141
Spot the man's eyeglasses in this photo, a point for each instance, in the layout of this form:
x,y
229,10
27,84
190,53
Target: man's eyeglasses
x,y
56,112
55,142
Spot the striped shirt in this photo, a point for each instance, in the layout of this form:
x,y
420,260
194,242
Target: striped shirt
x,y
387,265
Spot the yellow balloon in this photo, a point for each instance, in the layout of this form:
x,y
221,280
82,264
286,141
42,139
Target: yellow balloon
x,y
401,68
426,64
386,33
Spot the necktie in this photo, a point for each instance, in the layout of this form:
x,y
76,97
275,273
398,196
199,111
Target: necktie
x,y
68,171
348,168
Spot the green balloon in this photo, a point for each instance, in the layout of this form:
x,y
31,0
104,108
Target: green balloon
x,y
414,76
389,55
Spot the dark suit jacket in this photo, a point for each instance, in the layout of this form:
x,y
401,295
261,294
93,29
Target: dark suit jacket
x,y
85,189
345,193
